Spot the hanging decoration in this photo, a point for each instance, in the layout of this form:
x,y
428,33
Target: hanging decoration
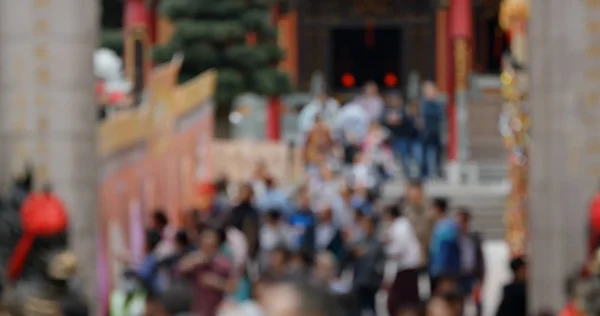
x,y
514,122
513,12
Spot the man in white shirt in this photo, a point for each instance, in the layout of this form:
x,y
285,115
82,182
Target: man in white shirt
x,y
402,248
321,106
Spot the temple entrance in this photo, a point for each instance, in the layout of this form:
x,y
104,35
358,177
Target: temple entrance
x,y
490,41
362,54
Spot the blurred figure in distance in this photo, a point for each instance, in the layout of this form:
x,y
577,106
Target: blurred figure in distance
x,y
371,101
322,106
432,120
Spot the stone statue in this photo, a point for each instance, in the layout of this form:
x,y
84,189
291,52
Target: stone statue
x,y
38,269
108,66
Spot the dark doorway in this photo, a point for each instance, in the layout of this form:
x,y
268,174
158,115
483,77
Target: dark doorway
x,y
362,54
490,41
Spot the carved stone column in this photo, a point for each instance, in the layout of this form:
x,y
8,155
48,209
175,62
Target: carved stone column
x,y
565,159
47,109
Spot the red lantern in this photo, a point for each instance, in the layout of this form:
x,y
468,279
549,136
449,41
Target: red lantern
x,y
348,80
390,80
42,215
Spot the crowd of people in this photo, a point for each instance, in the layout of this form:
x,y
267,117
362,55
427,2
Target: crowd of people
x,y
335,245
249,250
385,129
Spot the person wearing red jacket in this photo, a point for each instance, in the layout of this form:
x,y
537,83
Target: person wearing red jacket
x,y
594,224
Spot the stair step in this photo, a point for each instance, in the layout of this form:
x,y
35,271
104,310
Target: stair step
x,y
486,206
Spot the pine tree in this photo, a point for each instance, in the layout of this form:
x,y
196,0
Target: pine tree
x,y
215,33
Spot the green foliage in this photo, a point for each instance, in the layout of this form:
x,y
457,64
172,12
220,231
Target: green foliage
x,y
270,81
256,19
246,57
176,9
212,34
230,82
112,39
162,54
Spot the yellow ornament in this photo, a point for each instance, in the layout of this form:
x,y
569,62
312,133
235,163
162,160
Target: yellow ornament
x,y
512,11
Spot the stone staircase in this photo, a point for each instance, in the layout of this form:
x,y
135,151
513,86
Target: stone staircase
x,y
485,104
486,202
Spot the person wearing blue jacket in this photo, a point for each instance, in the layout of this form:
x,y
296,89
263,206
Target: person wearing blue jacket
x,y
301,221
432,114
444,247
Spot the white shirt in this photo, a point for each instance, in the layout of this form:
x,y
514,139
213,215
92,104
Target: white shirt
x,y
467,254
306,118
238,246
272,237
362,175
403,245
166,247
353,120
324,234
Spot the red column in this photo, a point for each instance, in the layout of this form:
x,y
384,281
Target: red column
x,y
135,14
460,29
152,21
273,119
450,107
273,125
135,27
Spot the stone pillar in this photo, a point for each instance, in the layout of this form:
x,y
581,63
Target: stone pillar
x,y
47,109
565,156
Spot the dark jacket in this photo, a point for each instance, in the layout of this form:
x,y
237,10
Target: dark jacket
x,y
514,300
432,112
246,218
335,246
405,128
368,268
478,271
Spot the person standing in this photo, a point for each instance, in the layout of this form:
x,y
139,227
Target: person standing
x,y
400,122
321,106
319,144
148,271
160,224
444,247
272,198
416,212
168,265
514,294
325,235
594,224
403,249
301,221
368,264
472,260
371,101
209,269
274,233
432,119
245,218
